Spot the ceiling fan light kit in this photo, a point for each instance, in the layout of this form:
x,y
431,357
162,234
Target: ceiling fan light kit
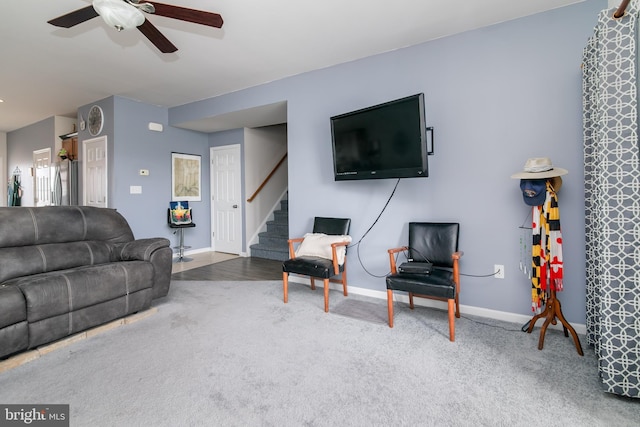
x,y
118,14
128,14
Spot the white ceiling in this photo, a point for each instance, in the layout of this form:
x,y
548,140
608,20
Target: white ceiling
x,y
47,71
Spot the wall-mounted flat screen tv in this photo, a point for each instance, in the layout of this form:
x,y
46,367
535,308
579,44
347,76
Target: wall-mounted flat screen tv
x,y
382,141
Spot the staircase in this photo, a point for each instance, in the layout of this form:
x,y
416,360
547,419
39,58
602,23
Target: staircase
x,y
272,244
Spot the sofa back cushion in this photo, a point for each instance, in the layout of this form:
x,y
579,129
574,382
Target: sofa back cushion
x,y
27,260
37,240
27,226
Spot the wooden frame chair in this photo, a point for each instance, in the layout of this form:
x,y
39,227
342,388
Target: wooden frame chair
x,y
436,243
316,267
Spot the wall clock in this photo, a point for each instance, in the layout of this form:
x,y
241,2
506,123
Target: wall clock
x,y
96,120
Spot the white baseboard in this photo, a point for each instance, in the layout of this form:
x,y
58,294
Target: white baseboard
x,y
519,319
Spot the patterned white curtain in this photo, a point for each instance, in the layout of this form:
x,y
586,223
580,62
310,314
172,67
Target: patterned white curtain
x,y
612,199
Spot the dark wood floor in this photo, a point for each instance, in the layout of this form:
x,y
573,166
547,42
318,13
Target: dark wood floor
x,y
236,269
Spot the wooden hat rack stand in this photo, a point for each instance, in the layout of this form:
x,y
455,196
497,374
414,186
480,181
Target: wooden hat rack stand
x,y
541,179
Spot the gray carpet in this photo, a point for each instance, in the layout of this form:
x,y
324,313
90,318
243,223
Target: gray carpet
x,y
233,354
356,308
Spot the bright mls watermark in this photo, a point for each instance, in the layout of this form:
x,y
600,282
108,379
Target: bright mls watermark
x,y
34,415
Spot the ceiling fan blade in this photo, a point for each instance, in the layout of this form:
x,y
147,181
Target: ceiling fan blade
x,y
156,37
74,18
190,15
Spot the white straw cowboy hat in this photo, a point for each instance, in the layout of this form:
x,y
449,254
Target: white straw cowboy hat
x,y
539,168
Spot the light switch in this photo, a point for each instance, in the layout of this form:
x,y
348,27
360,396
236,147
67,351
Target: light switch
x,y
155,126
135,189
144,172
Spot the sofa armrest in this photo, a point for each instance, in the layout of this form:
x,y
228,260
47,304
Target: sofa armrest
x,y
139,250
157,251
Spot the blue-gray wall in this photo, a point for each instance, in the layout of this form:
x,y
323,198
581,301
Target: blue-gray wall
x,y
495,96
132,146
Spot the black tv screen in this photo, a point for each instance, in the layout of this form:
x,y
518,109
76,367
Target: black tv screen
x,y
382,141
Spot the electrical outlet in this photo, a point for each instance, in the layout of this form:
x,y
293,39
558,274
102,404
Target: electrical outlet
x,y
499,271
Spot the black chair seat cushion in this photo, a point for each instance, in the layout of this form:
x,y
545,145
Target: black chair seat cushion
x,y
310,266
191,224
438,284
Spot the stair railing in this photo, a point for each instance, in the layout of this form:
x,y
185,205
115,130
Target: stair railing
x,y
273,171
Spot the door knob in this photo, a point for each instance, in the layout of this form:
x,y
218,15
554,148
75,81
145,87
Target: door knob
x,y
235,206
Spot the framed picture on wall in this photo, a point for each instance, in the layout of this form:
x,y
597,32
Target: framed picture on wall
x,y
186,174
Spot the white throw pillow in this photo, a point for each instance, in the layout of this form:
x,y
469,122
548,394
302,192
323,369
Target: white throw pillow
x,y
319,244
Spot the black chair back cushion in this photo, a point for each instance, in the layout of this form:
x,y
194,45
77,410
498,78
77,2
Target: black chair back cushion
x,y
433,242
331,226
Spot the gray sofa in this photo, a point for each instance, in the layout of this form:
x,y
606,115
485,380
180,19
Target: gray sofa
x,y
66,269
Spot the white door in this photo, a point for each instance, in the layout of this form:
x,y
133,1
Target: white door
x,y
42,177
94,155
226,203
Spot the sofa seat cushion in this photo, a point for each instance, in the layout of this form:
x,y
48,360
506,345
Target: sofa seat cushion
x,y
14,338
28,260
12,306
52,328
14,334
55,293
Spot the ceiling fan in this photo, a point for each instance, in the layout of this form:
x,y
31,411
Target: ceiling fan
x,y
128,14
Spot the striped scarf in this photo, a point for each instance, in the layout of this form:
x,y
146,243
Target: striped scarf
x,y
546,250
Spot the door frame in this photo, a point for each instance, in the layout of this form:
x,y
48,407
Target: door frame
x,y
37,190
106,168
238,148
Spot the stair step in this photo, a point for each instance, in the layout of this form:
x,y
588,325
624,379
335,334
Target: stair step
x,y
281,229
272,244
269,252
273,239
281,217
